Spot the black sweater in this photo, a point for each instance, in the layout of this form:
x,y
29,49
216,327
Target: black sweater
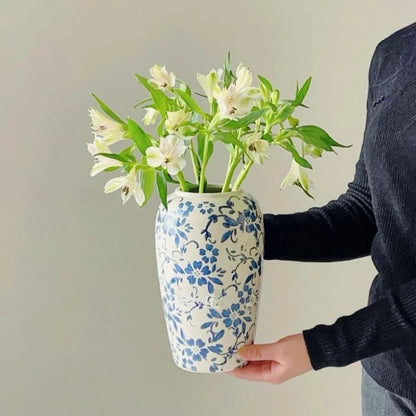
x,y
375,216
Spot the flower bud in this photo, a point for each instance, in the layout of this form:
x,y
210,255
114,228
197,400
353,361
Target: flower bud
x,y
294,122
275,96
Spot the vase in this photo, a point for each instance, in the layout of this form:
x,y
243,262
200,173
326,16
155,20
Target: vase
x,y
209,254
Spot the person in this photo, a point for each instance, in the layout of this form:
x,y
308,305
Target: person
x,y
375,216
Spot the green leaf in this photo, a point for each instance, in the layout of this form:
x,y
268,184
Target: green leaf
x,y
161,127
245,121
127,152
200,140
108,110
147,181
293,102
196,159
268,137
298,158
300,94
184,86
160,99
143,101
227,138
162,188
227,71
169,178
318,137
210,149
192,104
115,156
284,112
265,82
297,183
112,168
138,135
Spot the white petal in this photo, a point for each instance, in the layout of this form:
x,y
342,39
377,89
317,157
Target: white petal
x,y
98,146
244,77
114,184
125,197
139,196
150,116
102,123
291,176
175,166
154,157
156,71
104,163
172,79
91,148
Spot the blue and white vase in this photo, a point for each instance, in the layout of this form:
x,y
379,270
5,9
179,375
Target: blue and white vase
x,y
209,251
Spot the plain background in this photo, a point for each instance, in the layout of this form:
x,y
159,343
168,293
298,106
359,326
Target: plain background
x,y
81,324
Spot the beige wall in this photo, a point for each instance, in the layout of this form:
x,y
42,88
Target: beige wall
x,y
81,324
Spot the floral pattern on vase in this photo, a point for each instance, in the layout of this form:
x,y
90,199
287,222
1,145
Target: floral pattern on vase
x,y
209,251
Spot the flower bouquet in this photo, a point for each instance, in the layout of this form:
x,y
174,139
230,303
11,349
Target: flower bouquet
x,y
208,237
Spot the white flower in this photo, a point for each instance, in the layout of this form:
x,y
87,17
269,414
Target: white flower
x,y
244,78
174,119
256,148
237,100
98,146
129,186
101,162
169,154
150,116
296,176
161,78
210,82
106,128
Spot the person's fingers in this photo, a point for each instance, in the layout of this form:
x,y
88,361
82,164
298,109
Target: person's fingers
x,y
258,352
255,371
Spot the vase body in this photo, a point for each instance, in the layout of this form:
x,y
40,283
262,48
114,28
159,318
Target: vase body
x,y
209,252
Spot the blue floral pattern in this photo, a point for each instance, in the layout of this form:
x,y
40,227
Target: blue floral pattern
x,y
209,255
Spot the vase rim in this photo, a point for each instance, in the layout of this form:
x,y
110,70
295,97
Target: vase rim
x,y
178,191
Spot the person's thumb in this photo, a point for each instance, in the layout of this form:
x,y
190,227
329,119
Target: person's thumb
x,y
258,352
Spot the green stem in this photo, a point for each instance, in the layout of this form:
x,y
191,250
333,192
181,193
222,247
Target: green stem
x,y
194,162
242,175
233,162
232,165
182,181
204,165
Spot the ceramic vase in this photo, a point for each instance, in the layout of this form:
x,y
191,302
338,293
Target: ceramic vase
x,y
209,253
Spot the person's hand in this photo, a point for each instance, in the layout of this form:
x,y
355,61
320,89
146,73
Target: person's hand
x,y
275,362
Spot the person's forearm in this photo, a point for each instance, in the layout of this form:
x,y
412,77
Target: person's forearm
x,y
343,229
385,324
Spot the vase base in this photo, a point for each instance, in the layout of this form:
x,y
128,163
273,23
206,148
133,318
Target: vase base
x,y
206,370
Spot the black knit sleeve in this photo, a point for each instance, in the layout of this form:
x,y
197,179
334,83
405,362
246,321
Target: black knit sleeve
x,y
343,229
383,325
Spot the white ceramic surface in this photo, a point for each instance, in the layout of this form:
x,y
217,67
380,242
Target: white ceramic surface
x,y
209,250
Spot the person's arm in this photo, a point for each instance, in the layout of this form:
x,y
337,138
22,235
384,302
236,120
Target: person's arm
x,y
343,229
387,323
